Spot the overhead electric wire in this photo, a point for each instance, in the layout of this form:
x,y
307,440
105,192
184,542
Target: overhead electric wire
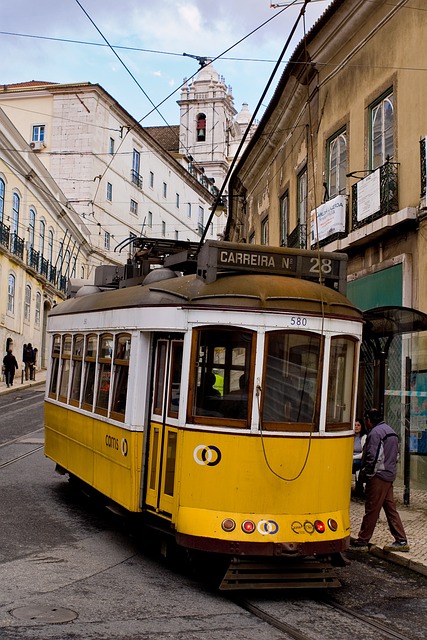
x,y
156,107
245,135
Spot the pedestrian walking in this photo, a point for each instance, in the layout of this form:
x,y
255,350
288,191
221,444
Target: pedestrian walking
x,y
378,470
29,359
10,365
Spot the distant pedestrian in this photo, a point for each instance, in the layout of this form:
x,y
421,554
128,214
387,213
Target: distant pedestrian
x,y
378,469
29,359
10,366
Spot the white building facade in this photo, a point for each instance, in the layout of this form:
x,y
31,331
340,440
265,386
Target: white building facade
x,y
117,176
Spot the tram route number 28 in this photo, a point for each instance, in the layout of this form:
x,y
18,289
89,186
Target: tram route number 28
x,y
321,265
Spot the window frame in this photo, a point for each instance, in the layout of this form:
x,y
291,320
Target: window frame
x,y
265,230
284,218
65,367
11,294
232,371
38,133
104,375
27,303
340,378
2,198
340,168
55,362
292,425
386,97
120,379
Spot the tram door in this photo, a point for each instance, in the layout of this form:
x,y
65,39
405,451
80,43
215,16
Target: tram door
x,y
163,434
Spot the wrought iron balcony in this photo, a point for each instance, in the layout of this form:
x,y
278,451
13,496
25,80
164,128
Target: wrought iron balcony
x,y
44,267
388,196
136,178
52,274
33,258
4,235
17,245
297,239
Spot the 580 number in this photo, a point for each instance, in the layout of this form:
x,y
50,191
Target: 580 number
x,y
297,321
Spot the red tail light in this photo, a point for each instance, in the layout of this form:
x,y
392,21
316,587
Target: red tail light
x,y
248,526
319,526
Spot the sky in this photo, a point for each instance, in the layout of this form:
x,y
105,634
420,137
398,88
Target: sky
x,y
67,41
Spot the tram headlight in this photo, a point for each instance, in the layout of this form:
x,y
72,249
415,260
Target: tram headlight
x,y
228,524
319,526
332,524
248,526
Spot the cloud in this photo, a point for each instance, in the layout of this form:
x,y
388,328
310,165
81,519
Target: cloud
x,y
198,27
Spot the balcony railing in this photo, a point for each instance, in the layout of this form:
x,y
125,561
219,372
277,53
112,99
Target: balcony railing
x,y
33,258
297,239
17,245
13,243
388,196
4,235
136,178
44,267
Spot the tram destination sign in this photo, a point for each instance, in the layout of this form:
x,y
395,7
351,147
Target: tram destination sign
x,y
326,267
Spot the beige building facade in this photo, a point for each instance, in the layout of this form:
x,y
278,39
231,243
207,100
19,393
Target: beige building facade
x,y
338,162
43,244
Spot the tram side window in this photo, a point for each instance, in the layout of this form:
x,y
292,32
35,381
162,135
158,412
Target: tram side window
x,y
104,378
65,367
341,383
223,363
77,369
121,376
89,371
291,380
175,375
56,351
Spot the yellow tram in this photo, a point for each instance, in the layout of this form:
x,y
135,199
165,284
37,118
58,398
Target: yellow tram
x,y
218,404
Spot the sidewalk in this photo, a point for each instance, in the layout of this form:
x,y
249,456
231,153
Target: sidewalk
x,y
20,383
414,517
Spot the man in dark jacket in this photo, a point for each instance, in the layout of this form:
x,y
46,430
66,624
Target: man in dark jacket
x,y
378,468
29,358
10,366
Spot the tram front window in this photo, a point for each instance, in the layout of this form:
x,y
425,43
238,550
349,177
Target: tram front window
x,y
341,382
222,361
291,380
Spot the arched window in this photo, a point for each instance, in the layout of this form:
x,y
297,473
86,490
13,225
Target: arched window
x,y
16,201
38,308
27,303
31,228
11,294
2,192
201,127
50,246
42,236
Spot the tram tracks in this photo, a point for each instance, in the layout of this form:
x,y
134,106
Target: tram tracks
x,y
24,439
362,624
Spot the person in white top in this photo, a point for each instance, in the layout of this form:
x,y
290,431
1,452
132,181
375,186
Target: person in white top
x,y
359,441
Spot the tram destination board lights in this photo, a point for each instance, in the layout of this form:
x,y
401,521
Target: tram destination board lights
x,y
318,266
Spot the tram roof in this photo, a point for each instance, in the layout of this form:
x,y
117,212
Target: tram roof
x,y
258,292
